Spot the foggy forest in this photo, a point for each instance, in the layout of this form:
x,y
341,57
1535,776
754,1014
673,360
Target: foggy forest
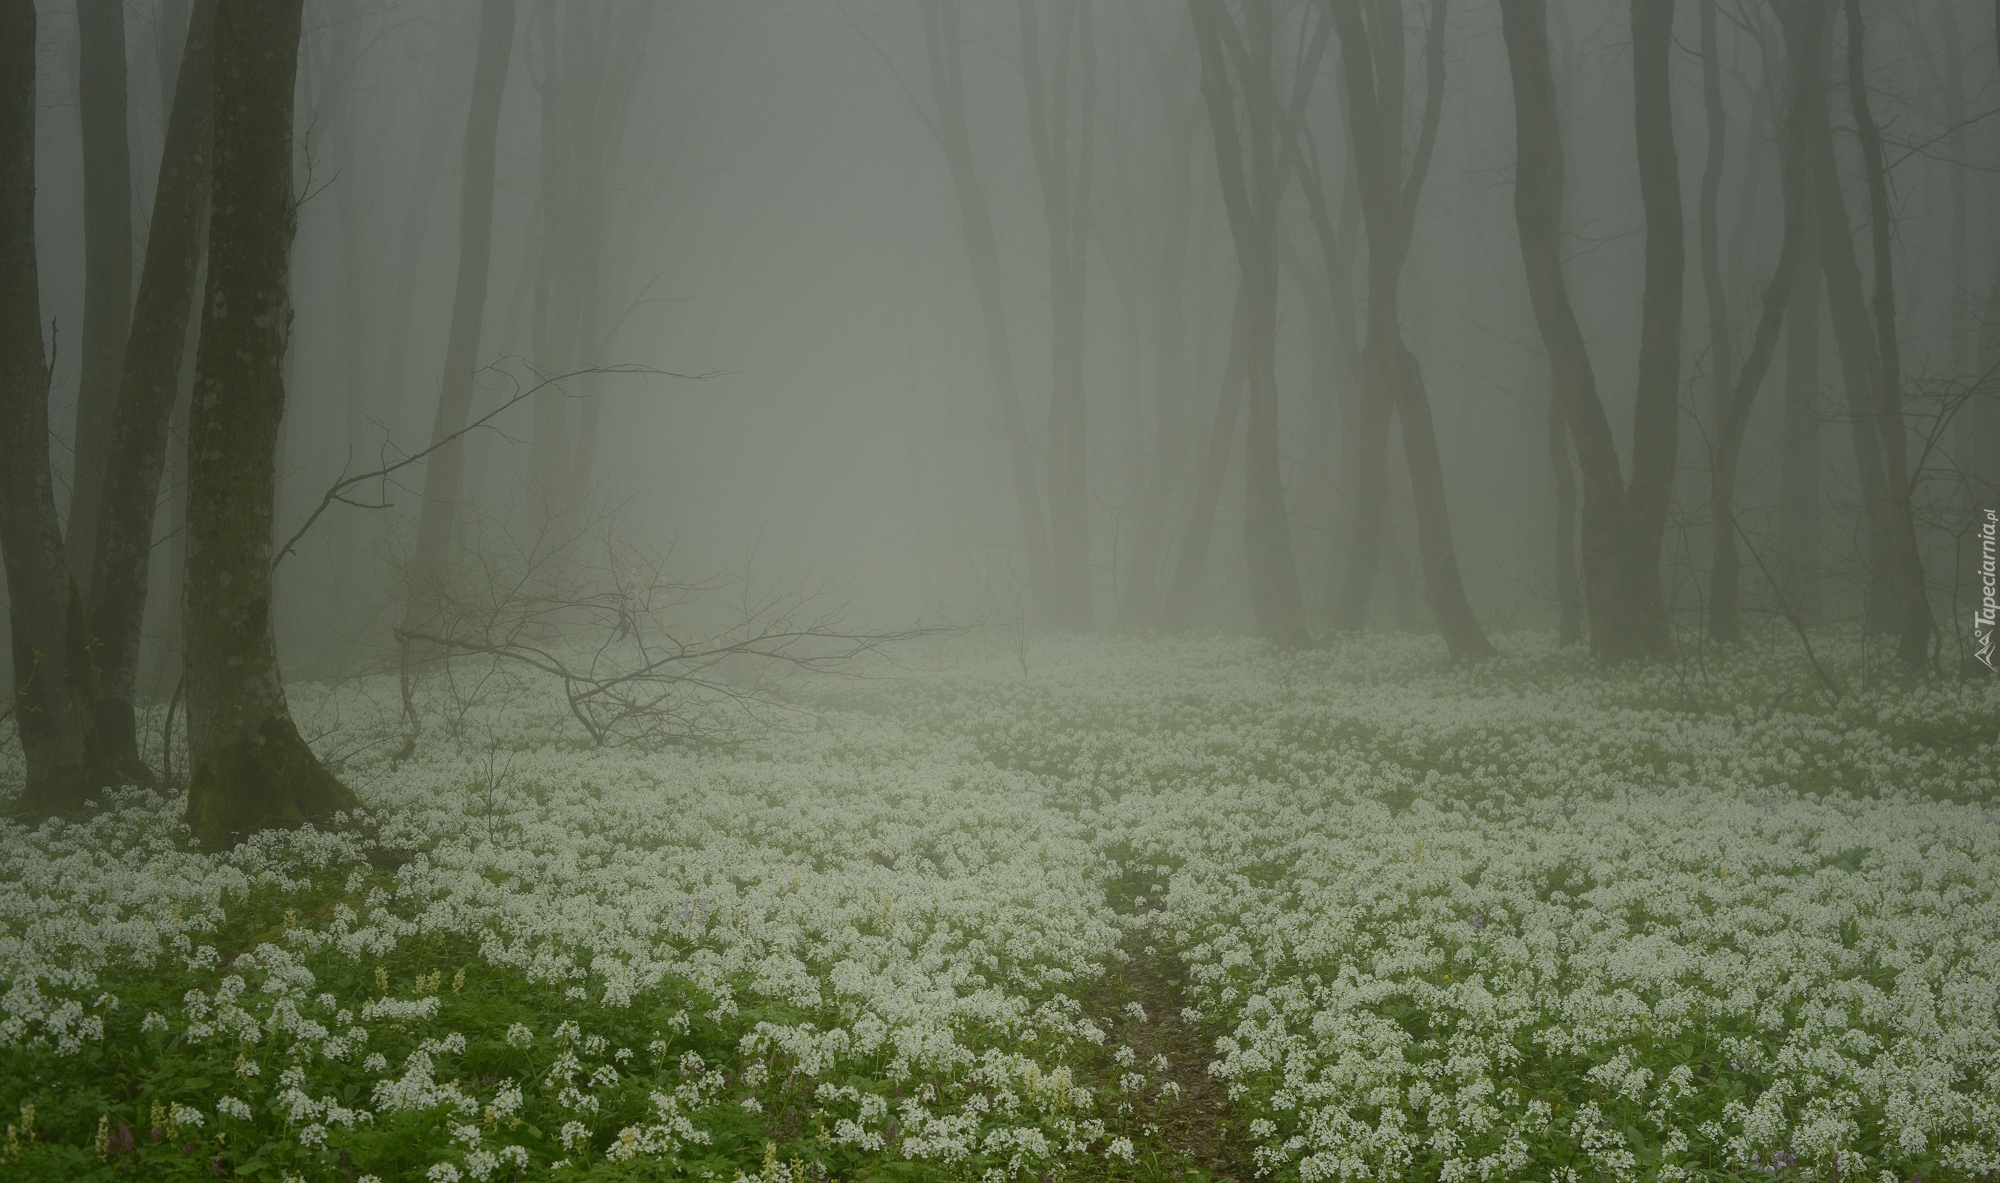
x,y
1002,591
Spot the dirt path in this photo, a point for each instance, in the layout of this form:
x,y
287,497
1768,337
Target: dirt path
x,y
1181,1122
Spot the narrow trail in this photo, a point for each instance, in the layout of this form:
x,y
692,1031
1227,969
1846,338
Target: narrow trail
x,y
1183,1127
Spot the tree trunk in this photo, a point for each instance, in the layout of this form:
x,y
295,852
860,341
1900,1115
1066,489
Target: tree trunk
x,y
1177,613
1253,181
1799,516
444,470
1625,621
1392,380
147,393
1169,451
982,254
1656,404
1913,611
1569,586
1065,185
53,688
107,262
1733,411
250,769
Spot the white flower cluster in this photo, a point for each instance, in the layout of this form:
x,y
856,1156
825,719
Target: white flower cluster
x,y
1527,920
1523,920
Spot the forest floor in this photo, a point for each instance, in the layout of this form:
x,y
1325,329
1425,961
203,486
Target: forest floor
x,y
1144,911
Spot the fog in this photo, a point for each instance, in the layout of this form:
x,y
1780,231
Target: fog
x,y
1031,591
777,214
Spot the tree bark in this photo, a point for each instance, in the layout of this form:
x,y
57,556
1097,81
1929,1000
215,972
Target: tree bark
x,y
1253,176
147,393
1620,531
54,688
107,263
1656,405
250,770
444,470
1372,54
982,253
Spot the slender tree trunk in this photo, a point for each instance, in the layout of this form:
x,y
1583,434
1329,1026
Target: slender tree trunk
x,y
53,689
1169,451
1799,518
982,253
1733,412
107,262
1177,613
1854,337
444,471
1615,603
1065,184
147,394
1656,406
250,769
390,398
1913,611
1372,53
1721,341
1253,180
1569,586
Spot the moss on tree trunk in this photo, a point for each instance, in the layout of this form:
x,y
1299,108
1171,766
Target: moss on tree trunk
x,y
264,779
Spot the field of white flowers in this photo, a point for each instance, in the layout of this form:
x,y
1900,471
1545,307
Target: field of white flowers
x,y
1523,921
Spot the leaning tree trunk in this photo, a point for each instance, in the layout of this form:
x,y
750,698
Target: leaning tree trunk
x,y
107,261
146,394
1733,412
444,470
1538,203
53,688
250,770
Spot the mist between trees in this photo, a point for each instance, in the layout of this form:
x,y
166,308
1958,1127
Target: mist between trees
x,y
328,328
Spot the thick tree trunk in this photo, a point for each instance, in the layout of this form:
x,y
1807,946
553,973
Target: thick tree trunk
x,y
147,393
53,689
107,262
250,769
982,253
1913,620
444,471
